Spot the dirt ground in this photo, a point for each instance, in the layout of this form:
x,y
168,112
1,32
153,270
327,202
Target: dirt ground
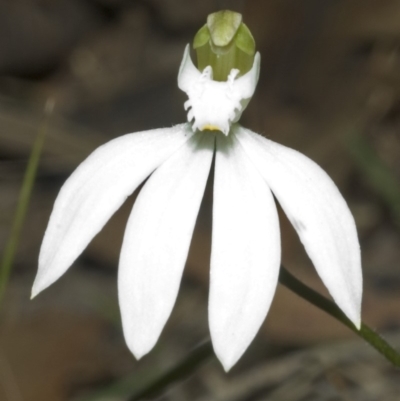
x,y
329,87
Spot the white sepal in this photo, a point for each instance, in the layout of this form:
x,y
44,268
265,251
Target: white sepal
x,y
245,256
95,190
319,214
216,105
157,240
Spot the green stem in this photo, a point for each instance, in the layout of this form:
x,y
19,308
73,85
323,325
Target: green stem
x,y
23,202
307,293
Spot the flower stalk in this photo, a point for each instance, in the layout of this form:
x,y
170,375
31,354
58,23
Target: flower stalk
x,y
318,300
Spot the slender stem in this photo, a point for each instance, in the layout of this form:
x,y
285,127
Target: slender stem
x,y
23,202
307,293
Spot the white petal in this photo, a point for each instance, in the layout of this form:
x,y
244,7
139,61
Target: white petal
x,y
157,240
245,255
319,214
95,190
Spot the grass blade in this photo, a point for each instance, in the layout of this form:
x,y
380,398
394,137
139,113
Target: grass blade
x,y
23,202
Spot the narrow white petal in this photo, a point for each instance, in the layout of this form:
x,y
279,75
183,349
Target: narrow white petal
x,y
245,255
95,190
157,240
319,214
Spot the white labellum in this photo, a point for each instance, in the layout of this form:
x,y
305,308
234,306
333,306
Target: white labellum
x,y
215,105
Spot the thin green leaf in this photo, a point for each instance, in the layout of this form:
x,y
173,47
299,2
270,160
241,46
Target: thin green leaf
x,y
23,202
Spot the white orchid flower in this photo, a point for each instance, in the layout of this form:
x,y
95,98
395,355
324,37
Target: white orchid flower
x,y
246,247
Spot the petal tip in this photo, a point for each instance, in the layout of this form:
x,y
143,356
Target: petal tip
x,y
138,354
139,351
36,289
353,313
227,354
227,365
42,281
356,320
227,360
140,342
358,324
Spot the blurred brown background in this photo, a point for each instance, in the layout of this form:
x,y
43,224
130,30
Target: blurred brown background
x,y
329,87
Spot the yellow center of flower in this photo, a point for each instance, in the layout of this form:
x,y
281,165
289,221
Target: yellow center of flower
x,y
210,127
